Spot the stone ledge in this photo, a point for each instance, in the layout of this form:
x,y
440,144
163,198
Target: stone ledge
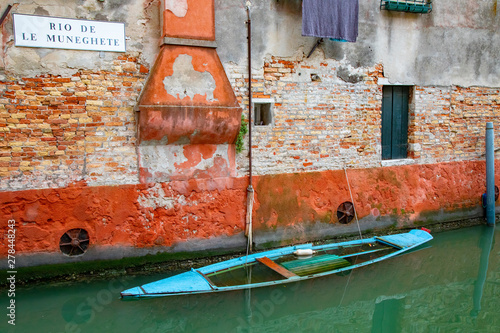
x,y
189,42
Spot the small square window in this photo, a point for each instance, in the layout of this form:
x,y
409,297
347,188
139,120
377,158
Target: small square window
x,y
263,111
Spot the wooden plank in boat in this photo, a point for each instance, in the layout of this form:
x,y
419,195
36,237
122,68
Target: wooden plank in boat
x,y
275,267
212,285
317,264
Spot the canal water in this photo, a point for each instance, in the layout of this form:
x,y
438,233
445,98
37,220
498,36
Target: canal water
x,y
452,285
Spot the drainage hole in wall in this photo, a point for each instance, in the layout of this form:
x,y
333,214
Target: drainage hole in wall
x,y
74,242
345,212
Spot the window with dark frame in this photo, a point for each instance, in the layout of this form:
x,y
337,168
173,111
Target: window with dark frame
x,y
262,113
395,105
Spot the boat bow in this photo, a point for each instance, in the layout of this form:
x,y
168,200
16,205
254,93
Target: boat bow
x,y
184,283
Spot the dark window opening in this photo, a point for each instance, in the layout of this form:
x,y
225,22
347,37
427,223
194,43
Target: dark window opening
x,y
395,101
262,114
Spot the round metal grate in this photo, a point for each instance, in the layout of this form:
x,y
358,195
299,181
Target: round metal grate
x,y
74,242
345,212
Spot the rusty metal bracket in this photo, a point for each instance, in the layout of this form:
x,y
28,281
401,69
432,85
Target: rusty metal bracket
x,y
5,13
319,41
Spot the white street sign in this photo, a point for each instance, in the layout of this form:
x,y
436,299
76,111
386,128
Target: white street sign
x,y
62,33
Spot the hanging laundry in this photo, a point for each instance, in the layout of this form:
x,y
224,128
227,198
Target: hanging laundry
x,y
336,19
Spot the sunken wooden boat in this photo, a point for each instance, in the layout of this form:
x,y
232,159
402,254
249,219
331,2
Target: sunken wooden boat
x,y
284,265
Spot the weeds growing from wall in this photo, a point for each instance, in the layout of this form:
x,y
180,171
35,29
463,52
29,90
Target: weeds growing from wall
x,y
241,134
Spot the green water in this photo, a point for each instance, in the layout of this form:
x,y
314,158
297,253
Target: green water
x,y
453,285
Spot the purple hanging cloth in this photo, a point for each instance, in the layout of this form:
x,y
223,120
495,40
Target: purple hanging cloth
x,y
336,19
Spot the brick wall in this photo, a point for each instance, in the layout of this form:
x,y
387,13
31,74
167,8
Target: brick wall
x,y
448,123
335,122
428,130
321,122
58,130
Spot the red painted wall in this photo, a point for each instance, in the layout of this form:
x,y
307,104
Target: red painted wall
x,y
136,215
162,215
197,23
408,194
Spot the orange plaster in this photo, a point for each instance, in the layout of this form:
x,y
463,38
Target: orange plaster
x,y
120,216
188,120
408,194
203,60
163,214
195,153
198,23
189,125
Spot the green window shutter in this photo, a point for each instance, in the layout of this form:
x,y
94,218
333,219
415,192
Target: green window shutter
x,y
395,122
386,122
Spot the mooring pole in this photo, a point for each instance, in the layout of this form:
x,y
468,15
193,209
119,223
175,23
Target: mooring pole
x,y
490,175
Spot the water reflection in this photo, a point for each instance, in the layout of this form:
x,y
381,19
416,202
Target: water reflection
x,y
486,244
387,315
424,291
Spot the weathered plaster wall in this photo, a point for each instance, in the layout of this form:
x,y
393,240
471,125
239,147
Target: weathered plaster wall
x,y
318,124
142,22
334,122
68,116
70,158
303,206
159,163
189,116
205,214
457,39
125,220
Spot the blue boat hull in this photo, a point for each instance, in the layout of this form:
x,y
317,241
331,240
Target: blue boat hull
x,y
202,280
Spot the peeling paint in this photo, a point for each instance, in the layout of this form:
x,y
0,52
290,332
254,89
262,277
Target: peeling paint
x,y
347,75
178,7
155,197
187,82
175,162
288,207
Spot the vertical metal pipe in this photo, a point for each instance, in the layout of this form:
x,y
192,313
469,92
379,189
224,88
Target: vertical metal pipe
x,y
250,191
490,175
250,109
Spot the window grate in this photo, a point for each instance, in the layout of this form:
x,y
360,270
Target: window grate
x,y
74,242
410,6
